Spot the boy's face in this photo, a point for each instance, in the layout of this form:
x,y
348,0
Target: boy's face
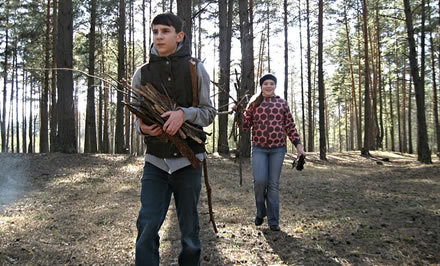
x,y
165,39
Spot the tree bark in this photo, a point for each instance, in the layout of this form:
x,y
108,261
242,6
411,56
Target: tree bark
x,y
67,134
225,36
367,118
311,142
184,11
423,152
90,143
44,130
247,68
322,127
53,107
353,102
304,139
5,83
119,134
286,51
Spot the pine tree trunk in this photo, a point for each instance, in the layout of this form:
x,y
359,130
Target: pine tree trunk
x,y
247,68
354,116
423,152
67,134
119,134
286,51
90,143
311,142
184,11
434,95
393,148
44,130
410,97
367,117
404,135
322,127
53,121
23,112
225,36
5,82
304,142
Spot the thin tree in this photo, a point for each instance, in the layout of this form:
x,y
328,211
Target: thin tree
x,y
44,129
434,93
67,134
302,77
247,67
225,35
423,152
321,96
5,82
90,142
367,118
353,103
53,122
286,50
311,134
119,134
23,112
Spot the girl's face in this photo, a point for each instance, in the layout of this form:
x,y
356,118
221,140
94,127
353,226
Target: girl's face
x,y
268,88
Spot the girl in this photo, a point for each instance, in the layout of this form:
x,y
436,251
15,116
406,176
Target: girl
x,y
270,119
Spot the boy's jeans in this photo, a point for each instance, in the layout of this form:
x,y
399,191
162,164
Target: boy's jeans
x,y
266,170
157,187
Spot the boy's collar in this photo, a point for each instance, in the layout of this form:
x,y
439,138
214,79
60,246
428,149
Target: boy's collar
x,y
156,53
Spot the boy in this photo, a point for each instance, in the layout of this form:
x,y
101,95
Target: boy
x,y
166,171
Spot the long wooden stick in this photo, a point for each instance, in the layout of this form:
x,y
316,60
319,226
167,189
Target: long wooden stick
x,y
208,192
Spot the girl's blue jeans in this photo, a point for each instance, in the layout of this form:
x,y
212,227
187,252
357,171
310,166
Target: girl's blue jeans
x,y
156,191
266,170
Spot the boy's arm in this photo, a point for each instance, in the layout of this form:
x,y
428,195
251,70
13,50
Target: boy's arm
x,y
204,113
151,130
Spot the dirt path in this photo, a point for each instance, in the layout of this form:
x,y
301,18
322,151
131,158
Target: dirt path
x,y
350,210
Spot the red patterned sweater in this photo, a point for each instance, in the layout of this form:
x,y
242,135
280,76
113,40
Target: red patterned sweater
x,y
271,121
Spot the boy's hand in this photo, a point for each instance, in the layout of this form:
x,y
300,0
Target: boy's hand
x,y
153,130
174,121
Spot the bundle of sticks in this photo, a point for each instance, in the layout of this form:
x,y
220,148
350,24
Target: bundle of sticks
x,y
148,104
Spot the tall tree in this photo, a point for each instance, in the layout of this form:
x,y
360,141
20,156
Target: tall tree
x,y
367,117
354,116
311,135
302,77
434,93
119,134
90,142
286,50
53,107
5,81
225,35
44,129
322,127
184,11
423,152
247,67
67,134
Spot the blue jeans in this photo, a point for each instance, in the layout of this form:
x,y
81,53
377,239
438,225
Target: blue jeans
x,y
157,188
266,170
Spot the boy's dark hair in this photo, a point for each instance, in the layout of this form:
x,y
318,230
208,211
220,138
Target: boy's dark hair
x,y
169,19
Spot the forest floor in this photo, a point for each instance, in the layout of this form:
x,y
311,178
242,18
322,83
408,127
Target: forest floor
x,y
64,209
